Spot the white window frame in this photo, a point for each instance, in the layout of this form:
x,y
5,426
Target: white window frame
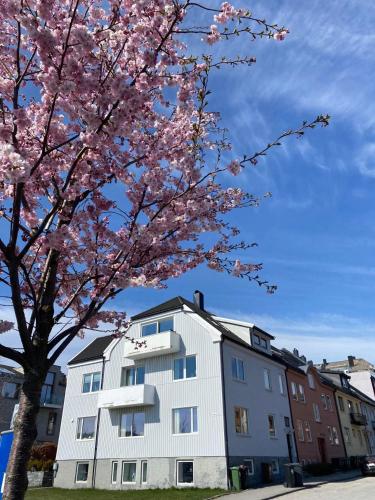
x,y
80,421
91,382
246,412
251,461
281,385
157,321
132,413
277,468
191,408
301,393
272,435
186,485
335,434
184,368
88,468
294,389
311,380
307,431
124,369
316,411
122,471
115,462
300,430
143,464
267,379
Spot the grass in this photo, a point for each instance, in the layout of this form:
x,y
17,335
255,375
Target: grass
x,y
87,494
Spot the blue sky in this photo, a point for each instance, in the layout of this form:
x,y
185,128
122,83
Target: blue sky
x,y
316,235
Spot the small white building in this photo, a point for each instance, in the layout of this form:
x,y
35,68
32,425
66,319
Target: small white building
x,y
200,395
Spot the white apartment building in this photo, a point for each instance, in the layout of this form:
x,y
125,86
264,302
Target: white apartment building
x,y
201,394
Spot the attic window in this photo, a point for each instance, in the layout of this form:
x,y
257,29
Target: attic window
x,y
162,325
256,339
263,342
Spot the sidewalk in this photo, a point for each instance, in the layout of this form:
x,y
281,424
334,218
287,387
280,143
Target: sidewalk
x,y
279,490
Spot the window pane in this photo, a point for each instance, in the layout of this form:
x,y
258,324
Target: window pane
x,y
256,339
88,428
52,417
195,420
185,472
178,371
46,394
241,373
237,420
185,420
165,325
149,329
114,471
140,379
263,342
144,472
82,472
50,379
86,383
96,382
128,472
138,424
267,382
234,367
130,376
191,366
281,384
79,427
126,425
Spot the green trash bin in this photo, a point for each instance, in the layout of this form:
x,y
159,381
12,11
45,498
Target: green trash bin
x,y
235,478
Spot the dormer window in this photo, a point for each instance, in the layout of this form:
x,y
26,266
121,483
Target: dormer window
x,y
256,339
159,326
259,341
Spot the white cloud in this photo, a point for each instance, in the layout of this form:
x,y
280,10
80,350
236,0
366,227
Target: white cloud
x,y
366,160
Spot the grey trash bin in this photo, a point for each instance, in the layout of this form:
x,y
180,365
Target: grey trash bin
x,y
293,475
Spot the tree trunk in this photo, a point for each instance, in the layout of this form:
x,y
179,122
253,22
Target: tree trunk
x,y
25,432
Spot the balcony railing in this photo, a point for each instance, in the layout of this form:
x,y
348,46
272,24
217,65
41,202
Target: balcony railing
x,y
52,401
132,395
358,419
153,345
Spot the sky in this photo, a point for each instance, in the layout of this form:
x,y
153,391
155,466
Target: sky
x,y
316,235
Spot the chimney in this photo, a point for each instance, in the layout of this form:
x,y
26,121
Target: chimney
x,y
199,299
296,353
310,362
351,361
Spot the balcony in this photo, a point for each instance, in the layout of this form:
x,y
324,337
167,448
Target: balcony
x,y
52,402
155,345
125,397
358,419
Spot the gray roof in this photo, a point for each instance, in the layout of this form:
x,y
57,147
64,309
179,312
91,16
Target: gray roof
x,y
93,351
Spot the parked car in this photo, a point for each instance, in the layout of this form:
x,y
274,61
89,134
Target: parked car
x,y
368,465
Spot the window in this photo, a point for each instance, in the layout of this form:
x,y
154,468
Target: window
x,y
350,405
316,412
354,434
91,382
294,391
324,401
47,388
271,426
341,403
134,375
308,432
82,472
10,390
275,466
185,420
144,472
329,403
132,424
129,470
263,342
360,438
185,368
335,436
310,378
347,435
238,371
281,384
241,421
287,421
51,423
256,339
301,436
114,472
330,434
162,325
185,472
267,379
86,427
249,464
301,393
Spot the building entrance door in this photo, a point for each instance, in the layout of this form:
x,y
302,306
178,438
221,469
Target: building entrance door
x,y
322,449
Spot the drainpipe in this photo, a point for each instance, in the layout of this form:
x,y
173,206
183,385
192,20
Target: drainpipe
x,y
291,414
224,409
94,464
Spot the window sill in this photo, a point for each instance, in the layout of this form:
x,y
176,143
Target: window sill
x,y
243,435
184,379
131,437
184,433
239,380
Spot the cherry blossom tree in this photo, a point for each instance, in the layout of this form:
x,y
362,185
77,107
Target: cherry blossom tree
x,y
111,169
